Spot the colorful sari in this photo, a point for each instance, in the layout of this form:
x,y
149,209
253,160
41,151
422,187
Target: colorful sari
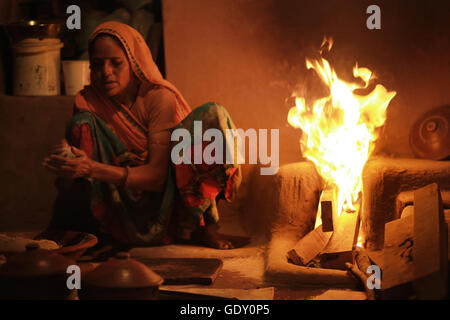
x,y
109,133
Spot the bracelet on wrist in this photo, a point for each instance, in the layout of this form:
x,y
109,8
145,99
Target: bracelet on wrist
x,y
124,181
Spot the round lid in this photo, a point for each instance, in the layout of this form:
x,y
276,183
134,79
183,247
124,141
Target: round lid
x,y
121,271
430,135
35,262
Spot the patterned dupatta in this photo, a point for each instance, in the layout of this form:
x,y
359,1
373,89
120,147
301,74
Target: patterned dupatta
x,y
109,133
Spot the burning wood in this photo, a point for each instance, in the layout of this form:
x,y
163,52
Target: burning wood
x,y
339,132
340,248
308,247
328,209
353,269
334,248
360,268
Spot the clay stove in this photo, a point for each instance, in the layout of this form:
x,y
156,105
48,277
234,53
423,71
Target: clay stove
x,y
317,238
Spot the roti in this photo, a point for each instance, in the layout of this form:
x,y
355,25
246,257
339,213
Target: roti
x,y
18,244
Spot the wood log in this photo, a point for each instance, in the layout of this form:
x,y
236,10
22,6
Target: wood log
x,y
328,208
363,261
362,277
376,257
398,267
430,252
340,248
278,271
308,247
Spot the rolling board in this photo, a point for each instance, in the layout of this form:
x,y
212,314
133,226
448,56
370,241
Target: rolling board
x,y
185,270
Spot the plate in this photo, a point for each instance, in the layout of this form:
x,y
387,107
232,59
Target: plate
x,y
71,243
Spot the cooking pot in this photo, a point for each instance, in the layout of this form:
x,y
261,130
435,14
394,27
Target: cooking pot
x,y
36,29
120,278
35,274
430,135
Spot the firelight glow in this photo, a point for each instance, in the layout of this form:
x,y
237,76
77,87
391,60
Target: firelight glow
x,y
339,130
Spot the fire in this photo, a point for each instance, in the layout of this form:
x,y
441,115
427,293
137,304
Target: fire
x,y
339,130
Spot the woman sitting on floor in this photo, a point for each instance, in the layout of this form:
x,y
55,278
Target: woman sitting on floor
x,y
115,174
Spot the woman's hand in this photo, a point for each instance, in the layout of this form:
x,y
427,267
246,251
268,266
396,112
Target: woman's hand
x,y
62,149
58,162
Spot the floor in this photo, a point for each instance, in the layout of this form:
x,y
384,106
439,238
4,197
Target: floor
x,y
243,274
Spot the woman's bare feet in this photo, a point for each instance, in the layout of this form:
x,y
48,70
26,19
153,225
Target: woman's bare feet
x,y
208,236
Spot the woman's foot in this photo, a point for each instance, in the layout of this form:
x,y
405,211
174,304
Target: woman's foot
x,y
208,236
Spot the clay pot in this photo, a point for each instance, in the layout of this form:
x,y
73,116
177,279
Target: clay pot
x,y
429,137
35,274
33,29
120,278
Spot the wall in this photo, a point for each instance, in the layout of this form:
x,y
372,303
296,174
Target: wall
x,y
30,126
249,55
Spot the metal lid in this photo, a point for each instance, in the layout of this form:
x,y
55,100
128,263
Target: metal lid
x,y
35,262
122,271
430,135
38,29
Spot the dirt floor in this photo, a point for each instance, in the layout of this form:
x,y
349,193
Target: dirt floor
x,y
242,275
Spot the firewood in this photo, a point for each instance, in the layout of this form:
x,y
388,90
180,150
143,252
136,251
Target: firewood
x,y
398,267
328,208
340,248
308,247
363,261
353,269
430,252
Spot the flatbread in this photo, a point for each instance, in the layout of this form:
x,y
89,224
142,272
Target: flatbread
x,y
18,244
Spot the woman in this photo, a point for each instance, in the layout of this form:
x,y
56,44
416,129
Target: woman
x,y
120,180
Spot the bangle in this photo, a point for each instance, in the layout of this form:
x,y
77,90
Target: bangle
x,y
123,181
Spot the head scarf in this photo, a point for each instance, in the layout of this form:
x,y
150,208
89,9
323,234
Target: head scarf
x,y
145,69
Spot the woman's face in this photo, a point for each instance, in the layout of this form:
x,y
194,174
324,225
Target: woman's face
x,y
110,70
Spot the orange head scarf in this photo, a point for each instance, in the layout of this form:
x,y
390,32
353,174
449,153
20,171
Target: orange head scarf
x,y
145,69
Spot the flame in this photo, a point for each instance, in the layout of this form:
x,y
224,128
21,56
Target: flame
x,y
359,242
339,130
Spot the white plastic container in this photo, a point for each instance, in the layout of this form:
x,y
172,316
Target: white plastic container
x,y
76,75
37,67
